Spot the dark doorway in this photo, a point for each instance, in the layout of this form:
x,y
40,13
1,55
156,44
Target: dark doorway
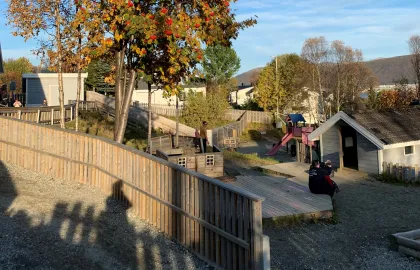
x,y
349,139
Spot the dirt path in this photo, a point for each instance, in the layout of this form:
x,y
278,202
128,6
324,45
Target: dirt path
x,y
55,224
368,212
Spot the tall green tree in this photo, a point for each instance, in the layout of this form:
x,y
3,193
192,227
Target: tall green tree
x,y
13,70
279,84
220,64
98,70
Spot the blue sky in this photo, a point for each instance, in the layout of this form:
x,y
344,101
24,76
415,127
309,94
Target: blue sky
x,y
380,28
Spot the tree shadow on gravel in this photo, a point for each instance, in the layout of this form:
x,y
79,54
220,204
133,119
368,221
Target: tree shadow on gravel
x,y
76,236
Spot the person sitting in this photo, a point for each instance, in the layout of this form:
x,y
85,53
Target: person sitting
x,y
320,181
45,103
327,166
17,104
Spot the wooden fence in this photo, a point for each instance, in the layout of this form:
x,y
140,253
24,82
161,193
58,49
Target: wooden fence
x,y
231,114
161,109
406,173
218,135
43,115
138,116
220,223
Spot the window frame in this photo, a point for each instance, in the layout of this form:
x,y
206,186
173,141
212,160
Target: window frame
x,y
182,161
412,152
210,158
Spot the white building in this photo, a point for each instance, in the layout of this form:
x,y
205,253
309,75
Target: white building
x,y
240,96
40,86
140,94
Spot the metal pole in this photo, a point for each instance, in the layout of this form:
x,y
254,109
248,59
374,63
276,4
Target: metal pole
x,y
277,91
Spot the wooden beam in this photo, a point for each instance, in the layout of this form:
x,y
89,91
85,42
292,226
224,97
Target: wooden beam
x,y
52,117
380,161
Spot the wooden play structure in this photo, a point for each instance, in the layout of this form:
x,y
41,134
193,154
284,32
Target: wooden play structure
x,y
189,156
297,130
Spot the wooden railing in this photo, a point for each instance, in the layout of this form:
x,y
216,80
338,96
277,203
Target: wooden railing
x,y
234,130
43,115
222,224
406,173
230,114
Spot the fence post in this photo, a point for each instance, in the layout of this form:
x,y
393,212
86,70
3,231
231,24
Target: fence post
x,y
71,113
20,114
52,117
256,235
38,116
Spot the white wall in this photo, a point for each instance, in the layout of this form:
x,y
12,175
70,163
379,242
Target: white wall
x,y
396,155
46,86
157,96
240,97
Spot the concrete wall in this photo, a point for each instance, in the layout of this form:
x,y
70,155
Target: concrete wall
x,y
367,155
39,88
396,155
157,96
331,146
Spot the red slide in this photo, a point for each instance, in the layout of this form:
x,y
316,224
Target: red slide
x,y
281,143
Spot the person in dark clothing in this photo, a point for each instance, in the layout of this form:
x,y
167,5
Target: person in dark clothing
x,y
320,181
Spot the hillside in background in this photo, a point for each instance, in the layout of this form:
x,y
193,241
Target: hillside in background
x,y
390,69
386,69
246,78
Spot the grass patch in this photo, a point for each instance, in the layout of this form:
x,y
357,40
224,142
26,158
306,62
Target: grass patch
x,y
254,132
250,160
96,124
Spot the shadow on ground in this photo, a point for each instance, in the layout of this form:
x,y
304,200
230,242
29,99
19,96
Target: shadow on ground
x,y
76,235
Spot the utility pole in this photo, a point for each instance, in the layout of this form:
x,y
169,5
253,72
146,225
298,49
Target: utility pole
x,y
277,90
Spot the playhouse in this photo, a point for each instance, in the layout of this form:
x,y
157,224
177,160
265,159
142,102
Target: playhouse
x,y
296,133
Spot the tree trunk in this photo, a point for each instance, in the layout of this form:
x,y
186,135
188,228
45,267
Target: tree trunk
x,y
59,66
119,56
149,118
177,123
125,107
338,90
321,97
79,76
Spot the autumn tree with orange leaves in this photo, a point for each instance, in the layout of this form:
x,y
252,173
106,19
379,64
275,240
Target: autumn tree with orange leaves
x,y
37,19
159,41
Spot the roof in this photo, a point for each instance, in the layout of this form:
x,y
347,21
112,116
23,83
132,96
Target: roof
x,y
392,126
51,75
387,129
296,118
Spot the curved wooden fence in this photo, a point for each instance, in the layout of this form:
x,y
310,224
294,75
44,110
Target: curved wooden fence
x,y
44,115
222,224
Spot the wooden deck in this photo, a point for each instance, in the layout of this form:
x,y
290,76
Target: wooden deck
x,y
285,198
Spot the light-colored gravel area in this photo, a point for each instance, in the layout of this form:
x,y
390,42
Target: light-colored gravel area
x,y
47,223
368,212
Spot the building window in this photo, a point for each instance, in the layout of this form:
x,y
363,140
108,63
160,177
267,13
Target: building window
x,y
182,162
210,160
409,150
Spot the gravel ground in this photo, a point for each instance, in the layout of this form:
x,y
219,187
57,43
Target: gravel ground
x,y
368,213
55,224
